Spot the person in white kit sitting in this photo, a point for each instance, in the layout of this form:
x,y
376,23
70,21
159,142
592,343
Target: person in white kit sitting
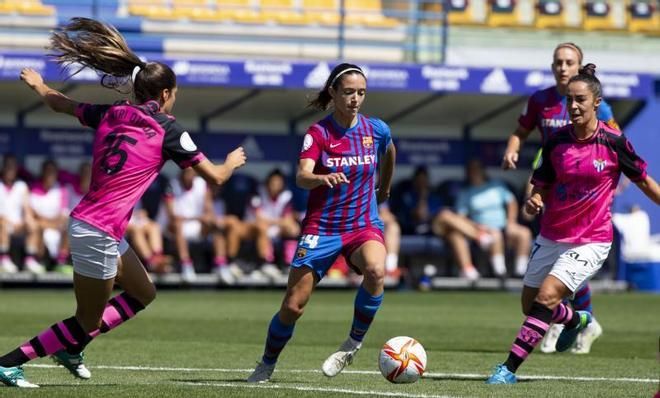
x,y
269,216
49,202
15,215
190,218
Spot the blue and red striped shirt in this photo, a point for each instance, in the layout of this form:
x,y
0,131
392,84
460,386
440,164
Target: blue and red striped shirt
x,y
355,152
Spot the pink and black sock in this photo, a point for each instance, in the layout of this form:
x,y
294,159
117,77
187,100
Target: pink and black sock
x,y
534,328
219,261
64,335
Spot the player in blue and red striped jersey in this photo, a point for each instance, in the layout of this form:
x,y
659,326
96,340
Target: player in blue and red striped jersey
x,y
547,111
343,157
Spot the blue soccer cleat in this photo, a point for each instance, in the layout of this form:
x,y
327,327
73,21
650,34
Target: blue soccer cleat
x,y
13,377
502,375
568,336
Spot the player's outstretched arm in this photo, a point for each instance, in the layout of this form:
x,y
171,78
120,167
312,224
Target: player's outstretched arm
x,y
513,147
650,188
306,179
219,173
386,173
53,98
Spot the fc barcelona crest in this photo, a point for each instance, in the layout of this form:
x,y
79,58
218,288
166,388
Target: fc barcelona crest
x,y
367,142
301,252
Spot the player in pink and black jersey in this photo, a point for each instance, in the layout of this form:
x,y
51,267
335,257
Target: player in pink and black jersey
x,y
547,111
342,157
132,143
574,185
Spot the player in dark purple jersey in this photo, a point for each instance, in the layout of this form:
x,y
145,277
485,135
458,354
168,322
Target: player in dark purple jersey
x,y
574,186
341,158
131,144
547,111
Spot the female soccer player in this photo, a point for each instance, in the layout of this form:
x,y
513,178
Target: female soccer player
x,y
547,111
132,143
340,157
574,185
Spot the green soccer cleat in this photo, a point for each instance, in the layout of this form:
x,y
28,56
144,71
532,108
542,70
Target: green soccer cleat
x,y
13,377
73,363
502,375
568,336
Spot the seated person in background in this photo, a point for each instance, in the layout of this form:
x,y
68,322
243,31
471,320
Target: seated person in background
x,y
392,236
486,212
189,209
15,215
80,184
268,217
49,202
146,239
227,273
419,204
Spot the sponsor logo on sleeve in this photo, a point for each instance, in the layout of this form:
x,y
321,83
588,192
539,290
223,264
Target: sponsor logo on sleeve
x,y
187,143
307,142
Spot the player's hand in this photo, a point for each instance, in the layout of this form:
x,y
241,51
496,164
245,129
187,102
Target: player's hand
x,y
31,77
509,161
333,179
236,158
534,205
382,196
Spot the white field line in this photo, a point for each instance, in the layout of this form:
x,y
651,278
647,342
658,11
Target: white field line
x,y
371,393
464,376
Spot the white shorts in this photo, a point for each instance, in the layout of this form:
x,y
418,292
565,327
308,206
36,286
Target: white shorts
x,y
94,253
571,263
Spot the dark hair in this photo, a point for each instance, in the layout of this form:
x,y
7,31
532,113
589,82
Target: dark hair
x,y
323,97
275,173
573,47
587,74
101,47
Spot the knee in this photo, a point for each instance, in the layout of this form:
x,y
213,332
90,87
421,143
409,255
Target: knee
x,y
375,274
548,298
148,295
291,310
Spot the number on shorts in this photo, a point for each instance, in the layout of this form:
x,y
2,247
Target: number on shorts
x,y
310,241
114,142
534,250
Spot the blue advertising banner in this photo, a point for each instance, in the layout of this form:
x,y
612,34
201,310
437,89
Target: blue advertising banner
x,y
384,77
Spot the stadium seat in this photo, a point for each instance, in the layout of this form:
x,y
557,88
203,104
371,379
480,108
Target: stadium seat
x,y
322,12
367,13
27,7
7,8
282,11
643,17
550,14
153,12
503,13
598,15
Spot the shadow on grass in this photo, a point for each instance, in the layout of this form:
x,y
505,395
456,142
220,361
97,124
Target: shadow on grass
x,y
481,379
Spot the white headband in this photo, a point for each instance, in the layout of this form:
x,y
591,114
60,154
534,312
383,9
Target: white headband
x,y
136,70
344,71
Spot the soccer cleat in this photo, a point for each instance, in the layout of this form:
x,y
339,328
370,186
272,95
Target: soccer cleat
x,y
271,271
502,375
13,377
34,266
225,276
550,339
262,373
73,363
342,358
188,274
8,266
587,337
568,337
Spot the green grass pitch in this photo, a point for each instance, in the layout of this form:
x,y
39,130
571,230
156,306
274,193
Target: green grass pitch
x,y
204,344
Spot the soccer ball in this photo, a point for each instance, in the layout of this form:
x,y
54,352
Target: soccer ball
x,y
402,360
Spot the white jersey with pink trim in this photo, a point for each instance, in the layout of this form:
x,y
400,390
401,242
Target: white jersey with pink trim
x,y
581,177
49,203
188,202
131,145
13,197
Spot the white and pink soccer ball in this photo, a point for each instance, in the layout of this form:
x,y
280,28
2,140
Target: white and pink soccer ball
x,y
402,360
